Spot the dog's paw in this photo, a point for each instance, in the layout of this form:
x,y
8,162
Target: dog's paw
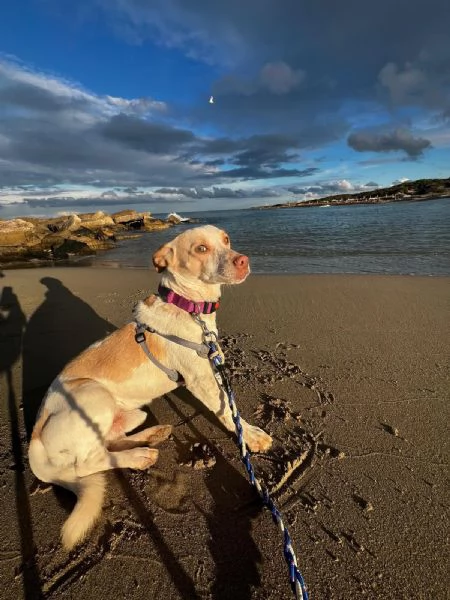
x,y
142,458
256,439
158,434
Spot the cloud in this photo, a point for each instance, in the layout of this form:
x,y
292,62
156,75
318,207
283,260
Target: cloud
x,y
54,133
162,197
138,134
235,31
275,77
94,201
403,85
331,188
275,72
389,141
38,91
249,172
279,78
219,192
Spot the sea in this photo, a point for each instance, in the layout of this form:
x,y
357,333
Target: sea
x,y
407,238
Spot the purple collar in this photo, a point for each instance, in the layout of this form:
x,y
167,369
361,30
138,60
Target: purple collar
x,y
169,296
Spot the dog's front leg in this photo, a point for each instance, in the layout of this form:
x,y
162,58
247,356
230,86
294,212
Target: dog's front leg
x,y
207,390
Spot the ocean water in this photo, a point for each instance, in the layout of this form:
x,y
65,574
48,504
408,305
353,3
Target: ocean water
x,y
411,238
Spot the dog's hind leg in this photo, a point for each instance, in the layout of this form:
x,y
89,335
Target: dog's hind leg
x,y
135,458
152,436
132,419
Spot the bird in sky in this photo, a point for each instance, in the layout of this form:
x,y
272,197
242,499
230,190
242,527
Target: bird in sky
x,y
211,99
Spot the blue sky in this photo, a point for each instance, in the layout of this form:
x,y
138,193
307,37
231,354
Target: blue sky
x,y
104,103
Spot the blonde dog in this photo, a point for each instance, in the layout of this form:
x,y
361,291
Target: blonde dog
x,y
92,405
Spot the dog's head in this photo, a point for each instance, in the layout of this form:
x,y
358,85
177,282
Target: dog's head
x,y
202,254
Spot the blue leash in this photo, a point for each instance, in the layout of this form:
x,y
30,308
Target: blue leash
x,y
296,579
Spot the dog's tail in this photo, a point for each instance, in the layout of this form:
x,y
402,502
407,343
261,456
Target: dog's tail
x,y
90,491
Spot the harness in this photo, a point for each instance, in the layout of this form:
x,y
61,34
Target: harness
x,y
194,308
201,349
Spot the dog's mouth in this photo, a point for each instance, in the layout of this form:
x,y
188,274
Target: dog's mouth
x,y
242,275
233,274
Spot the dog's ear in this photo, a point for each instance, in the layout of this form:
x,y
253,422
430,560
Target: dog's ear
x,y
162,257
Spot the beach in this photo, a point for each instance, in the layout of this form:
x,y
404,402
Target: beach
x,y
350,375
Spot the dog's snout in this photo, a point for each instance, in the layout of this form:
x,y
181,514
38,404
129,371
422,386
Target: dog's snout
x,y
241,261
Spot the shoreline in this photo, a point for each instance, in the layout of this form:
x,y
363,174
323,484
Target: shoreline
x,y
366,202
348,370
80,263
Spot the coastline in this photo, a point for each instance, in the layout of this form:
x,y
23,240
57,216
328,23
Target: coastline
x,y
330,201
348,371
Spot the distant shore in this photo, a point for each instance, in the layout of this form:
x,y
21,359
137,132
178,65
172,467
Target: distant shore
x,y
352,201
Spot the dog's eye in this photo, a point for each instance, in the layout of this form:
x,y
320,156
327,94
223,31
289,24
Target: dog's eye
x,y
226,240
202,248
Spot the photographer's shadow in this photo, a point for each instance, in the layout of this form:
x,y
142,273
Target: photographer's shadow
x,y
61,327
12,325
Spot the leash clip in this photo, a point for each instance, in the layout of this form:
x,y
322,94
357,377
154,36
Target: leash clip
x,y
140,337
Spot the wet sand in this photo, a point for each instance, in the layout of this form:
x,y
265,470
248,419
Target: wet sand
x,y
350,374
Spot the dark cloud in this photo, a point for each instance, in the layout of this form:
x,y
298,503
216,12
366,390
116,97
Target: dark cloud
x,y
95,201
255,172
319,53
136,133
224,30
160,196
219,192
398,139
24,95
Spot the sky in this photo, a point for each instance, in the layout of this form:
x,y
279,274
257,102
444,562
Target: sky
x,y
104,104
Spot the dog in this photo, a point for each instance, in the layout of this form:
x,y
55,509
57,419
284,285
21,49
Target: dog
x,y
85,419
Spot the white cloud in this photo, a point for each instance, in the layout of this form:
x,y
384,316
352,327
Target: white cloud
x,y
15,72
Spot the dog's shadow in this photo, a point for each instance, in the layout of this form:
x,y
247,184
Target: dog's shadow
x,y
236,504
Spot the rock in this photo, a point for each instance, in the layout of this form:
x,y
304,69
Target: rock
x,y
155,224
78,245
176,219
16,232
96,220
71,223
69,246
125,216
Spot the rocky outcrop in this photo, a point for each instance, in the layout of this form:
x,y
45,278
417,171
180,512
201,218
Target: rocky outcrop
x,y
60,237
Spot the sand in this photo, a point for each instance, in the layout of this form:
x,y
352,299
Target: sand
x,y
349,373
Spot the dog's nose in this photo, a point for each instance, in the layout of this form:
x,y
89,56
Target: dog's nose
x,y
241,261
